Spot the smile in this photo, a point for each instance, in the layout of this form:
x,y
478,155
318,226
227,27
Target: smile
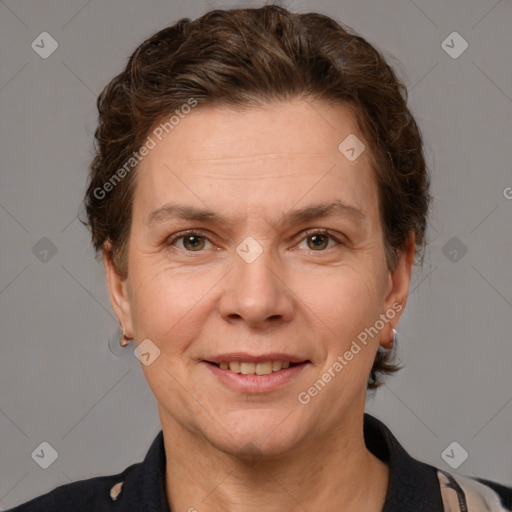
x,y
249,368
255,374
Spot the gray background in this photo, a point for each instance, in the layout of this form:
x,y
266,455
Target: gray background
x,y
60,382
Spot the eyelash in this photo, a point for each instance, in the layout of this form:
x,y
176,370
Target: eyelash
x,y
170,241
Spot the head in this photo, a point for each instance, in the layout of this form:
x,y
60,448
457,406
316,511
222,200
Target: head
x,y
255,116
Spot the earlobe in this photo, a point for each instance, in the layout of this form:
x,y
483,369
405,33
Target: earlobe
x,y
396,299
118,291
389,344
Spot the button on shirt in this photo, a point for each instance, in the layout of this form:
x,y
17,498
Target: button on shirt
x,y
413,485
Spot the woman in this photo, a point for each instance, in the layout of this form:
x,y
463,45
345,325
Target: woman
x,y
259,196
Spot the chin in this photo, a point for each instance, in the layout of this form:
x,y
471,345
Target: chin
x,y
258,433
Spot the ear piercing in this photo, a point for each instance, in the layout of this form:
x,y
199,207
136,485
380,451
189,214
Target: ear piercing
x,y
124,341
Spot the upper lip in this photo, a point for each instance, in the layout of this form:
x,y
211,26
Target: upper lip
x,y
261,358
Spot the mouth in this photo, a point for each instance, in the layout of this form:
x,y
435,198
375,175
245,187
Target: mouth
x,y
259,368
247,373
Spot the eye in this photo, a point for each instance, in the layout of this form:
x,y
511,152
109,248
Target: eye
x,y
320,239
193,241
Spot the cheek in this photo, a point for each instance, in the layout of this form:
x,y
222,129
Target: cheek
x,y
167,309
167,305
344,301
352,309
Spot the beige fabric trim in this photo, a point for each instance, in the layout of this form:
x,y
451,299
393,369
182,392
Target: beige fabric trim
x,y
479,497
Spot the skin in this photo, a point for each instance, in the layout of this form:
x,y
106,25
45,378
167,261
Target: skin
x,y
231,450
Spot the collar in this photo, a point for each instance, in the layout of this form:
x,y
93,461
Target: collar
x,y
413,485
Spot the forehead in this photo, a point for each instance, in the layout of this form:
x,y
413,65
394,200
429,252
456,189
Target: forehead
x,y
272,157
298,127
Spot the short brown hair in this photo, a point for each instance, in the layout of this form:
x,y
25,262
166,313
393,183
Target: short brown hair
x,y
246,58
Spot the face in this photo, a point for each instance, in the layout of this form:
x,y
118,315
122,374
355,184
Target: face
x,y
270,277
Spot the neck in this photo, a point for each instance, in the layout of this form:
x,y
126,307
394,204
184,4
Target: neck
x,y
336,471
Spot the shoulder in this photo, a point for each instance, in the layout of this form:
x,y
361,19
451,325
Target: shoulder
x,y
473,494
99,494
416,485
140,486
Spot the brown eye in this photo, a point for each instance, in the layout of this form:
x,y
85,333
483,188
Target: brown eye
x,y
318,241
193,242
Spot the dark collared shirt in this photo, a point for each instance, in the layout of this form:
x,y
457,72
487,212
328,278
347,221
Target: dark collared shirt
x,y
413,485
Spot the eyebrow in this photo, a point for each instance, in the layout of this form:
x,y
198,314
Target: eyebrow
x,y
297,216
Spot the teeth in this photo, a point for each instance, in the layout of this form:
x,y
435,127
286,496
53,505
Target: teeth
x,y
276,365
234,366
264,368
247,368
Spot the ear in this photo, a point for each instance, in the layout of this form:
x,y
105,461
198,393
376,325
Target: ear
x,y
118,291
398,289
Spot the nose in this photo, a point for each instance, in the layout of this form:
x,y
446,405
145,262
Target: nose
x,y
255,292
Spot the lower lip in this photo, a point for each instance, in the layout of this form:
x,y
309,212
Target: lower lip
x,y
256,383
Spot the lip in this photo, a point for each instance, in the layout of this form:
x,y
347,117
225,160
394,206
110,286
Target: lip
x,y
256,383
261,358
